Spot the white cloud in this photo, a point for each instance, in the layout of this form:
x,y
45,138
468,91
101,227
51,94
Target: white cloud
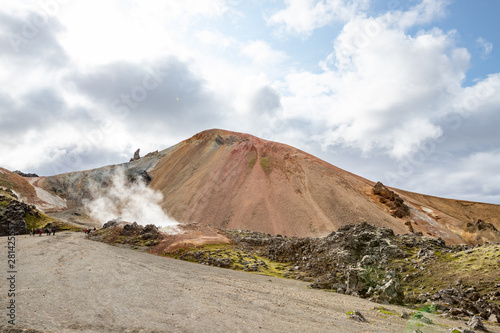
x,y
216,38
473,177
384,91
262,54
486,46
303,16
422,13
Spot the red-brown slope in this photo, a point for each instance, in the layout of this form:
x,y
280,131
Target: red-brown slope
x,y
20,185
459,216
239,181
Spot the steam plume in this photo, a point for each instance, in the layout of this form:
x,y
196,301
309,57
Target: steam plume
x,y
131,201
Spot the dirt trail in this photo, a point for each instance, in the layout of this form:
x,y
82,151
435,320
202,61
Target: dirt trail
x,y
67,283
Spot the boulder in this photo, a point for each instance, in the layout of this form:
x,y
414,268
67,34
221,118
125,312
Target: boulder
x,y
392,292
150,231
110,224
357,316
476,323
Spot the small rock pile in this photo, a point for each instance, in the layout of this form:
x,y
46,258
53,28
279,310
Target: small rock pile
x,y
459,302
134,233
27,175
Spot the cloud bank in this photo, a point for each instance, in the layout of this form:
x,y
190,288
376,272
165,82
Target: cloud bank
x,y
383,89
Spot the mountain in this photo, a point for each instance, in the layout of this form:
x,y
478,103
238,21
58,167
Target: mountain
x,y
239,181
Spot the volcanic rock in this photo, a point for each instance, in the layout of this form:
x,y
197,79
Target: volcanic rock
x,y
12,214
476,323
391,200
136,156
131,229
22,174
357,316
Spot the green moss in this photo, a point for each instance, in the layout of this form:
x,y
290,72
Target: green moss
x,y
372,276
266,164
430,308
4,182
236,257
37,221
447,267
252,161
383,310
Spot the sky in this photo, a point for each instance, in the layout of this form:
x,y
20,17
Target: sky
x,y
403,92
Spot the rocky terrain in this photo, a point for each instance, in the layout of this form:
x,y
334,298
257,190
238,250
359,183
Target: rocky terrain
x,y
361,260
68,283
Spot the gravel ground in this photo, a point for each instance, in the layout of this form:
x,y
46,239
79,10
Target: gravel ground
x,y
67,283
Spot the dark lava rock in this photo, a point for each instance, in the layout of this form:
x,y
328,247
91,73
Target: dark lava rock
x,y
22,174
131,229
353,256
12,213
357,316
150,231
110,224
134,175
219,140
481,225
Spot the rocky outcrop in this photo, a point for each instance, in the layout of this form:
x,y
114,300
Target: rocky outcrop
x,y
22,174
481,225
152,154
352,260
129,233
12,214
134,176
136,156
391,200
358,259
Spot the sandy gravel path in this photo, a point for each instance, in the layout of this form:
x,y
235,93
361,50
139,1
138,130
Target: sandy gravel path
x,y
66,283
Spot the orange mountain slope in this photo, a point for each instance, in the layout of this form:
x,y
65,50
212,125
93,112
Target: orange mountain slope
x,y
239,181
236,180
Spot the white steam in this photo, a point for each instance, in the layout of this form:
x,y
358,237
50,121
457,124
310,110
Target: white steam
x,y
131,202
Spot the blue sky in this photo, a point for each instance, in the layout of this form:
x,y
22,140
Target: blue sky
x,y
405,92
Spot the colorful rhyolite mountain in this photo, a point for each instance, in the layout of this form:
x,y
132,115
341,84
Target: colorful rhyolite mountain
x,y
239,181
